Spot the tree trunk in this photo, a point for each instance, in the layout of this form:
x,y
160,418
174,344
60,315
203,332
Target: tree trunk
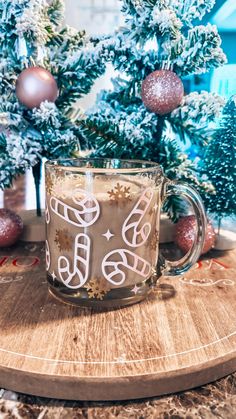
x,y
37,169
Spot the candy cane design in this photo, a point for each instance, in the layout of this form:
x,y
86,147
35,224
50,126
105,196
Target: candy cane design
x,y
85,215
132,222
47,214
114,261
48,257
80,269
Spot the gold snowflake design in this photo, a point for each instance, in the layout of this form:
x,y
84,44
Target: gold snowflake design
x,y
97,288
120,194
63,240
49,183
154,240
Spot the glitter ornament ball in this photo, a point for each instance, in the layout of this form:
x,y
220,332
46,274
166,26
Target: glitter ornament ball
x,y
11,227
162,91
35,85
185,231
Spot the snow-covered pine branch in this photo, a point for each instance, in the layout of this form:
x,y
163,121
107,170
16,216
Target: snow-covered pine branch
x,y
197,52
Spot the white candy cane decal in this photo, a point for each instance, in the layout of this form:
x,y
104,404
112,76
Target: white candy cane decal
x,y
132,222
85,215
47,214
48,257
80,270
115,262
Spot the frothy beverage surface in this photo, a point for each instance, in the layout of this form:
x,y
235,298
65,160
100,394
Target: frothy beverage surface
x,y
101,229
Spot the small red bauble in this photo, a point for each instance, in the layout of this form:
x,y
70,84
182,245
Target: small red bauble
x,y
185,231
11,227
162,91
35,85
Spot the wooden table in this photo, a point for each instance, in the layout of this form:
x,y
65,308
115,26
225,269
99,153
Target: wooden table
x,y
210,401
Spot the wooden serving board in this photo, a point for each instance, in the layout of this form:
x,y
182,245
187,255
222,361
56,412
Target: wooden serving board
x,y
183,336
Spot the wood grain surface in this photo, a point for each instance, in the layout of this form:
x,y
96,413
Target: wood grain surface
x,y
182,336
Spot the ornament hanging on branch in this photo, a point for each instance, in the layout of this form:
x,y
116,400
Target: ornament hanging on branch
x,y
34,85
185,231
162,91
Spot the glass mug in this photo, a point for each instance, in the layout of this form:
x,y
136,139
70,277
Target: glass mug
x,y
102,229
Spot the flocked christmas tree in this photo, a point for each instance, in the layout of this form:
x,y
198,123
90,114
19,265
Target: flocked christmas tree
x,y
147,116
44,69
220,165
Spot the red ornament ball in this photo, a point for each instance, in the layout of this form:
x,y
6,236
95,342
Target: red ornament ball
x,y
185,231
162,91
11,227
34,85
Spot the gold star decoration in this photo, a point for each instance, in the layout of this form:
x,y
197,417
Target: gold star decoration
x,y
120,194
63,240
97,288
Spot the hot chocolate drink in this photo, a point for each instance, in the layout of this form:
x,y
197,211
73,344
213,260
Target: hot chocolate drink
x,y
102,234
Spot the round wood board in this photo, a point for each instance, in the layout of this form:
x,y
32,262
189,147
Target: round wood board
x,y
183,336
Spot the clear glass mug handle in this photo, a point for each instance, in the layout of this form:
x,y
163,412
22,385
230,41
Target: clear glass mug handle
x,y
170,268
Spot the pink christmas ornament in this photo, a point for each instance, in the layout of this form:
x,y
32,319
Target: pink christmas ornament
x,y
11,227
35,85
162,91
185,231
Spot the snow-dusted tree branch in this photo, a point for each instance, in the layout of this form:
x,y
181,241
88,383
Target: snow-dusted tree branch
x,y
30,36
158,35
